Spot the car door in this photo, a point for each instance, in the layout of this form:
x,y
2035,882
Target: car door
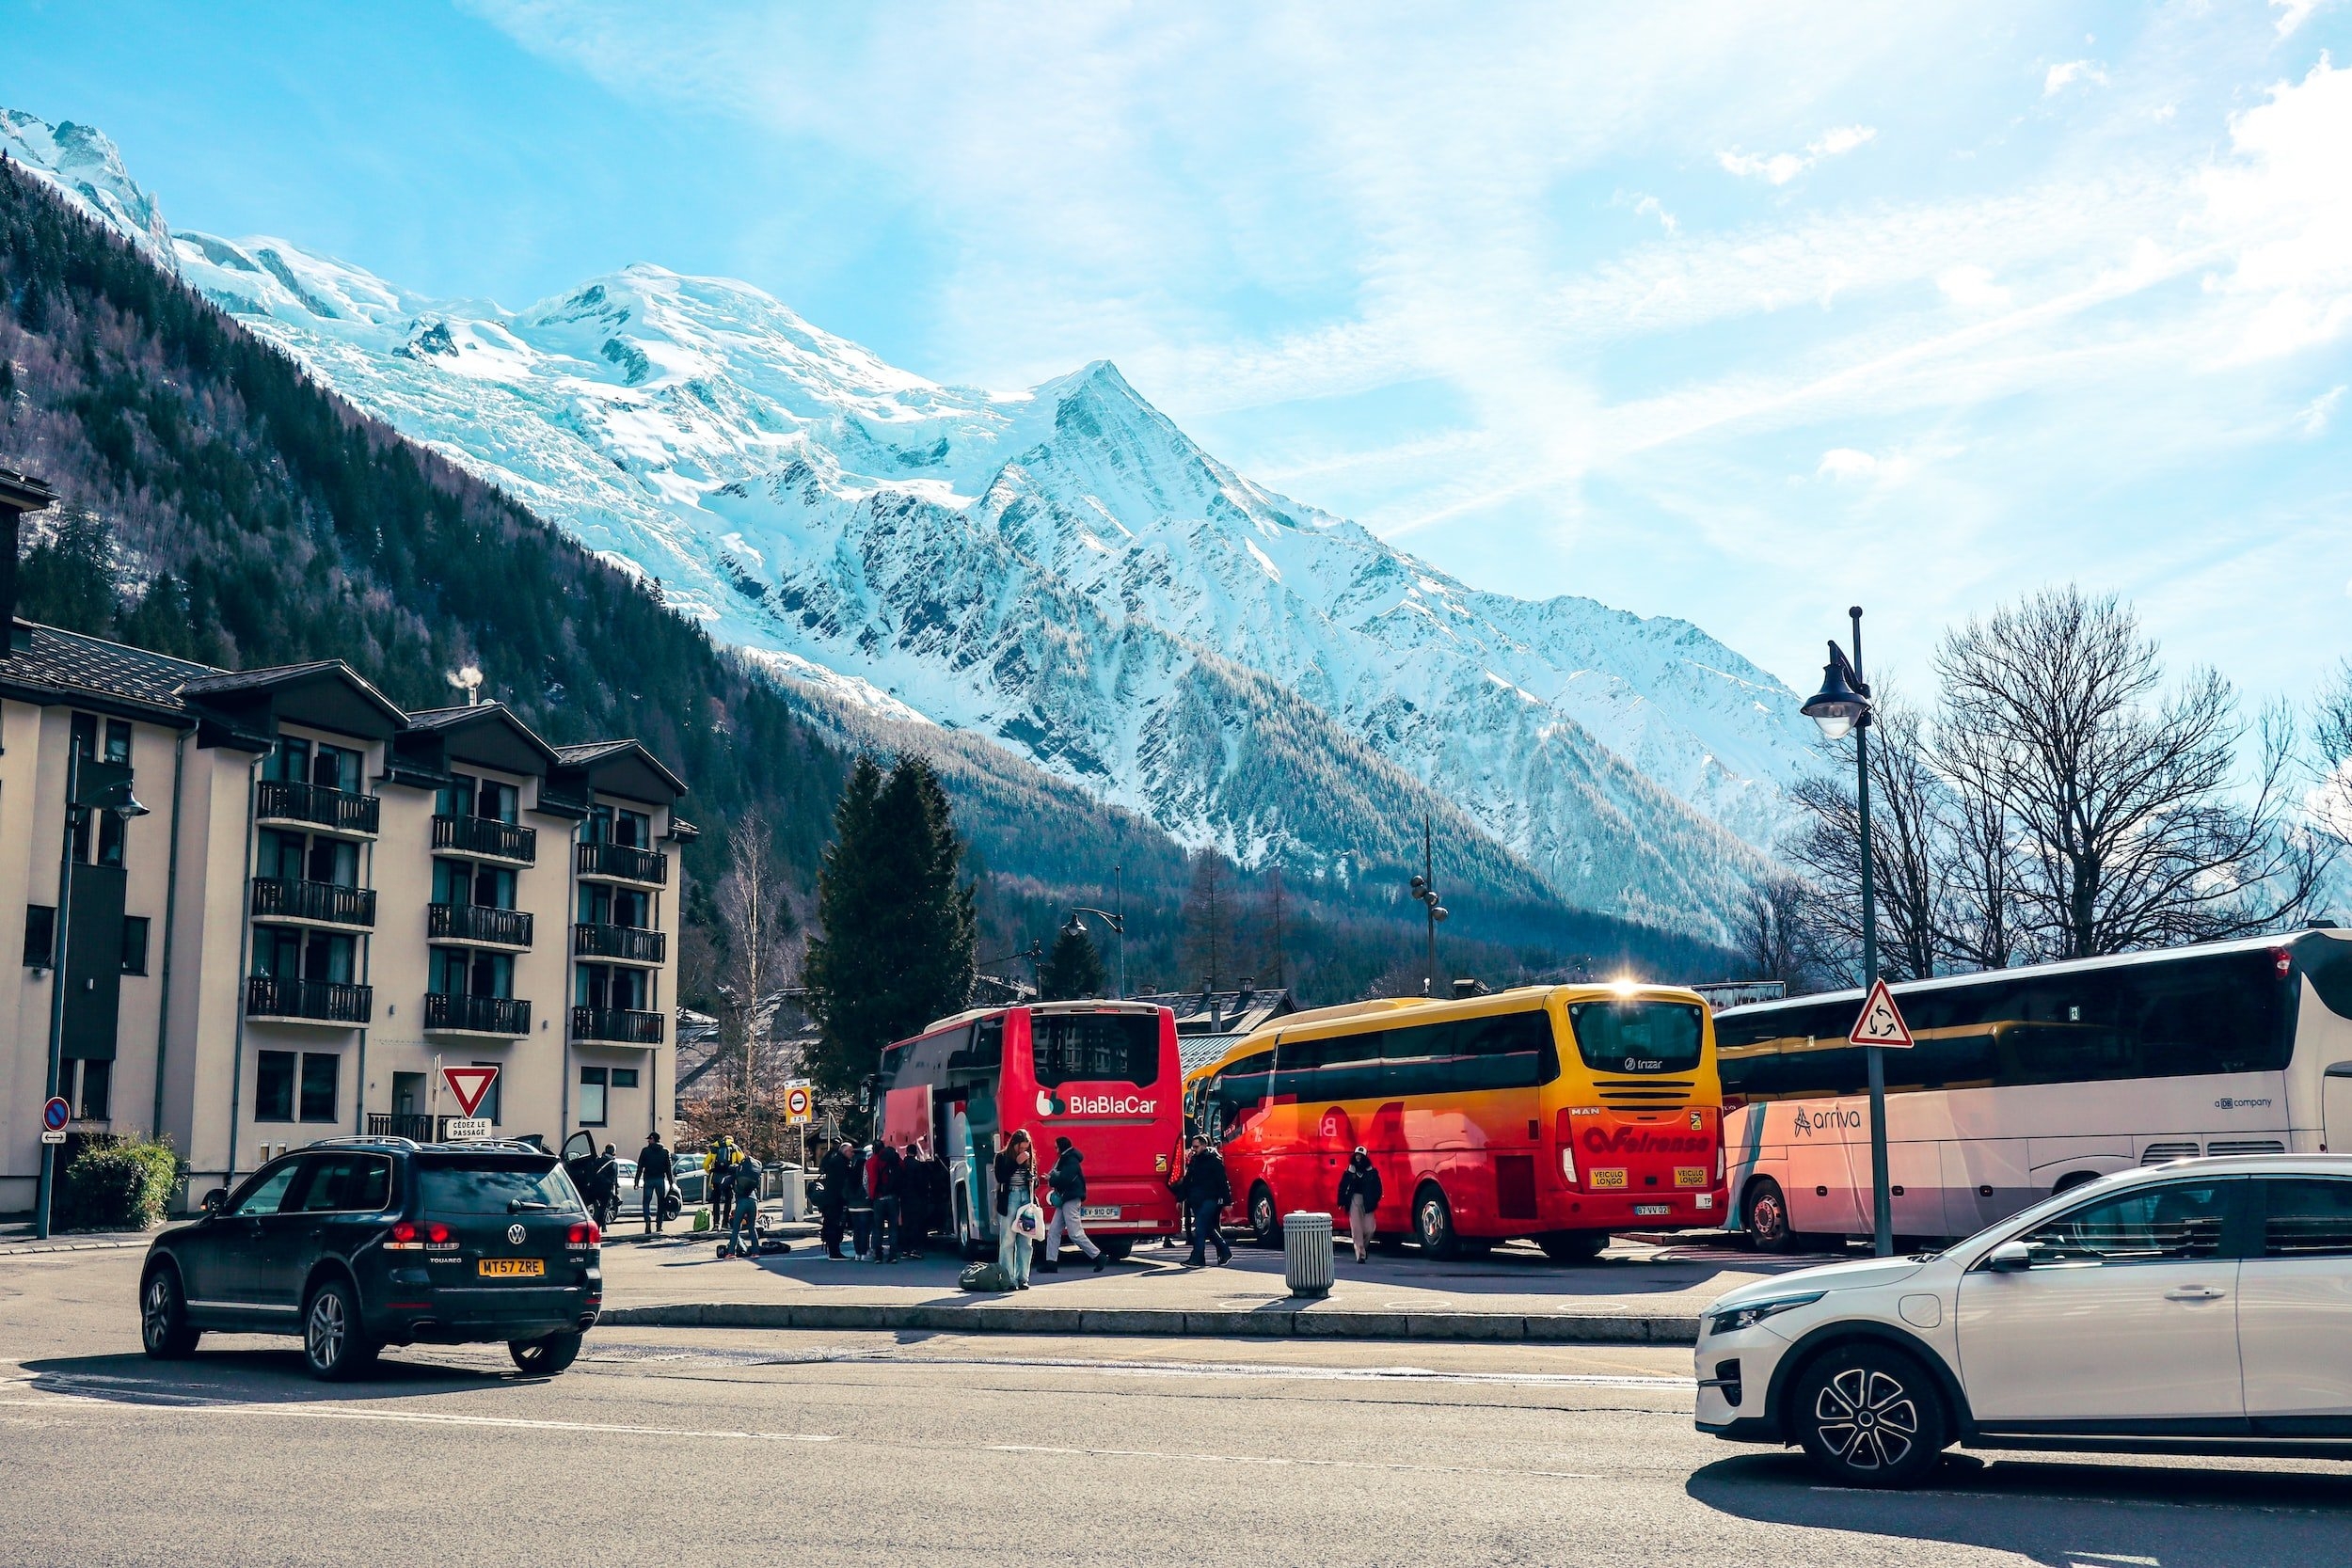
x,y
288,1240
2127,1316
2294,1309
238,1279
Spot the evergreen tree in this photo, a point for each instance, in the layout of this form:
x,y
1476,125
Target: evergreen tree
x,y
896,922
1073,969
1208,922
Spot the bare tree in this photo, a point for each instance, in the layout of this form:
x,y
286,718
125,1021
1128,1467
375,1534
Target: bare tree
x,y
2331,726
1773,931
1909,860
1984,923
1208,920
2134,825
761,940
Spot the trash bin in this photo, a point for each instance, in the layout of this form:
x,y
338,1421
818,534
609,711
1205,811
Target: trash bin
x,y
1306,1254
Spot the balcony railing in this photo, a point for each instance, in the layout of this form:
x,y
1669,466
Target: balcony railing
x,y
486,836
337,810
625,862
631,944
616,1025
313,1001
316,903
477,923
476,1015
417,1126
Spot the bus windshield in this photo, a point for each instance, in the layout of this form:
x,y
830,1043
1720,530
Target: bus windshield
x,y
1637,1036
1095,1048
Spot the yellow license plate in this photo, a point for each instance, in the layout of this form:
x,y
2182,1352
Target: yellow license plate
x,y
512,1268
1608,1178
1690,1175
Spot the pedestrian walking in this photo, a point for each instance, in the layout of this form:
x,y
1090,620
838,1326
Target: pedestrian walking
x,y
1359,1197
718,1181
881,1187
652,1183
833,1203
743,1233
1016,1209
860,1206
1205,1190
1067,1182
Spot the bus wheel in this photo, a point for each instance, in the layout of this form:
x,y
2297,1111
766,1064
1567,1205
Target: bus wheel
x,y
1767,1218
1265,1226
1433,1225
1573,1247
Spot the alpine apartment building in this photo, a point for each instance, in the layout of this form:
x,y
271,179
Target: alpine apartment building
x,y
258,908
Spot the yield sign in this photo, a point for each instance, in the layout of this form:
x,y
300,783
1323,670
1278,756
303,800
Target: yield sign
x,y
1881,1022
470,1084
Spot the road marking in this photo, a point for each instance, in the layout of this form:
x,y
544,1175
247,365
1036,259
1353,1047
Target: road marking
x,y
1277,1460
92,1389
1275,1371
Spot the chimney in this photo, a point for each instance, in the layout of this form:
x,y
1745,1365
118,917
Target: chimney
x,y
19,494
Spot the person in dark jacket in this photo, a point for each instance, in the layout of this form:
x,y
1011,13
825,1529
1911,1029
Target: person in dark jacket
x,y
1359,1197
1205,1190
653,1182
860,1206
834,1202
719,1183
881,1186
1067,1181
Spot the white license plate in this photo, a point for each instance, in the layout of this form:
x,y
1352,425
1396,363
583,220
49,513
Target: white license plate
x,y
1645,1211
1098,1212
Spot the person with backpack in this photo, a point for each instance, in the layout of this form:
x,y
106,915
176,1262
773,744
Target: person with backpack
x,y
833,1203
653,1182
881,1187
743,1230
1205,1190
1067,1182
1359,1197
719,1180
1016,1190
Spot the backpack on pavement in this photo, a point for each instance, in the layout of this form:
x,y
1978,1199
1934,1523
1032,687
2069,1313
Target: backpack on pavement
x,y
988,1276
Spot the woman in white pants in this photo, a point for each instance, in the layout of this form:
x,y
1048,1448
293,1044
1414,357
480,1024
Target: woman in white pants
x,y
1016,1189
1359,1197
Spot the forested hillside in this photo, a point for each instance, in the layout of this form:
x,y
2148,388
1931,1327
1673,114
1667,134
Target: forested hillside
x,y
220,505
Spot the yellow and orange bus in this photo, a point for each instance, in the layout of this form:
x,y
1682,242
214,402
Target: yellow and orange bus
x,y
1555,1113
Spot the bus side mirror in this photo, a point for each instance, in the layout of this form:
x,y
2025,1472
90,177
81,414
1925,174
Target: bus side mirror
x,y
2010,1257
216,1200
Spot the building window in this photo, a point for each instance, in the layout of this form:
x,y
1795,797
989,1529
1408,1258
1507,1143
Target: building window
x,y
274,1086
459,972
462,882
455,798
109,838
118,741
85,734
335,766
495,800
289,761
135,944
624,1077
87,1087
609,986
320,1072
601,904
40,935
592,1106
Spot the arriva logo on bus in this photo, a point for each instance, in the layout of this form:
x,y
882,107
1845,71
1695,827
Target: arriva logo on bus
x,y
1837,1119
1094,1105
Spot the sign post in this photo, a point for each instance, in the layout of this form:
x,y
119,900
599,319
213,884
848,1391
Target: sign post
x,y
1881,1028
469,1086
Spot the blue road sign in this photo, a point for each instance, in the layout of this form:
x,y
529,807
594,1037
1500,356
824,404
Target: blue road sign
x,y
55,1115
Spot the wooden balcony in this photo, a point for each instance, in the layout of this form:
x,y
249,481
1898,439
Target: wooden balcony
x,y
628,944
287,803
287,902
486,838
477,926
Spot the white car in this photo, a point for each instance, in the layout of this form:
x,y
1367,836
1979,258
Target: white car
x,y
2203,1307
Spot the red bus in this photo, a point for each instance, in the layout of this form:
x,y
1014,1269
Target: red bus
x,y
1558,1113
1102,1074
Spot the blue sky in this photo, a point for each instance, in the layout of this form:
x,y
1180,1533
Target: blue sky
x,y
1732,313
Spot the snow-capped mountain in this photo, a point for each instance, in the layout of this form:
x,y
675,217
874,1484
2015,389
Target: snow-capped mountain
x,y
1062,569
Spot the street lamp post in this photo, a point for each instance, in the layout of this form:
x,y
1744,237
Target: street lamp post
x,y
1843,705
1424,891
109,791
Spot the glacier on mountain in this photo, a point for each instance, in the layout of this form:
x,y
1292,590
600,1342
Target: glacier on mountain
x,y
1062,569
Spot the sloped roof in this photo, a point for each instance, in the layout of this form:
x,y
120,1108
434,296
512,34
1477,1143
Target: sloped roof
x,y
72,664
623,768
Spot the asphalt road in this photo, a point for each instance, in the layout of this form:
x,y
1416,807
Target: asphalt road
x,y
694,1445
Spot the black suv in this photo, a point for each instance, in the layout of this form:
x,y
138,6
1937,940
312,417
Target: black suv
x,y
356,1244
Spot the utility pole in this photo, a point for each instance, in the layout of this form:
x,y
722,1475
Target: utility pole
x,y
1425,890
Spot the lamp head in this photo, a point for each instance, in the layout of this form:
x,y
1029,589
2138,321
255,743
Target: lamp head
x,y
1837,708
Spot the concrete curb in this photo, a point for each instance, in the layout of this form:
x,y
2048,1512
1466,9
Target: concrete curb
x,y
1279,1322
29,1249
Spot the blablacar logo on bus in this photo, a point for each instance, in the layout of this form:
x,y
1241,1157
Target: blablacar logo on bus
x,y
1094,1105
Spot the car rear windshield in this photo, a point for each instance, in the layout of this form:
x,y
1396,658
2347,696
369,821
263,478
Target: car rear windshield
x,y
485,1187
1637,1036
1095,1048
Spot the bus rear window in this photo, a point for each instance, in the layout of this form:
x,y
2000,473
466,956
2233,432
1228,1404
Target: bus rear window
x,y
1095,1048
1637,1036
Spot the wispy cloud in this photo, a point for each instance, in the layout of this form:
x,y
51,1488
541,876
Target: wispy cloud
x,y
1778,169
2064,75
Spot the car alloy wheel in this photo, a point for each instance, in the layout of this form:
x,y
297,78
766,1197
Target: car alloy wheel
x,y
334,1344
1869,1416
164,1329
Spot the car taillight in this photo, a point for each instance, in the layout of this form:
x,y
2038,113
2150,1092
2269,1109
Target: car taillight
x,y
586,1233
409,1236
